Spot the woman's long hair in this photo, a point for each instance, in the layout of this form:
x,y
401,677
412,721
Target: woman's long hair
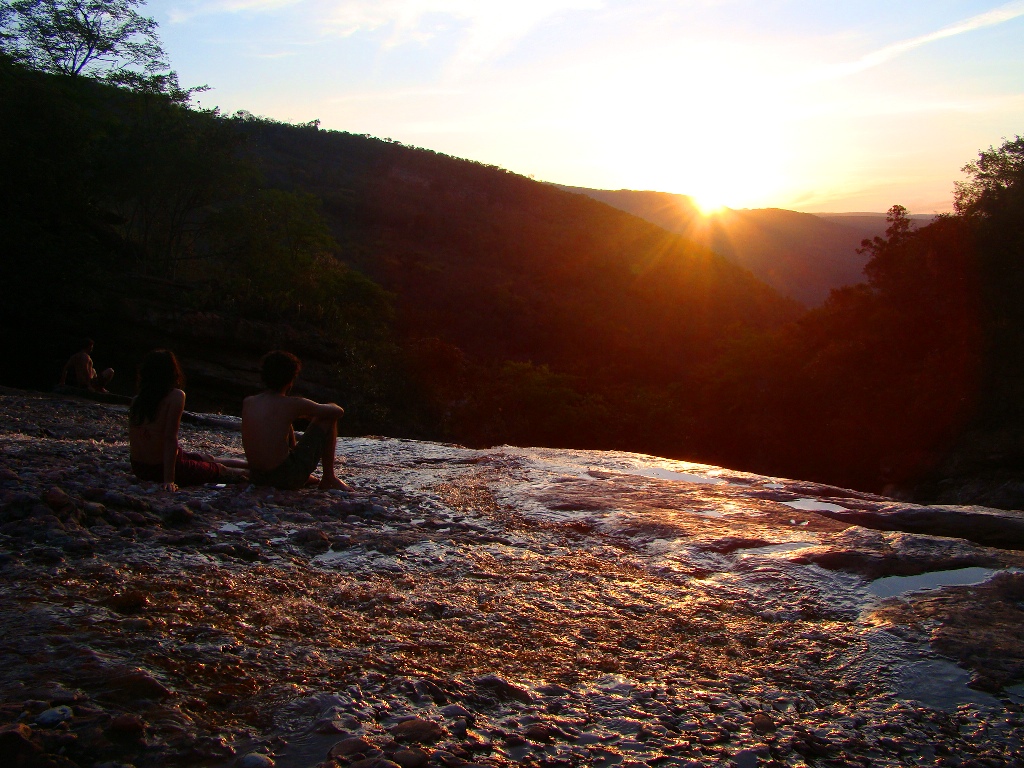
x,y
158,375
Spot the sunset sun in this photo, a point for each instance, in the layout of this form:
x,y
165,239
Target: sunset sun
x,y
708,204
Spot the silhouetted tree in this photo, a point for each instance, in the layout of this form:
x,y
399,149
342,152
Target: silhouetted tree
x,y
995,176
104,39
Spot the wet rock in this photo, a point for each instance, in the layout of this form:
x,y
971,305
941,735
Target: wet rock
x,y
503,689
57,500
448,759
762,722
54,716
417,730
374,762
236,552
991,527
255,760
46,555
410,758
351,746
312,540
541,732
127,726
128,602
178,516
131,684
458,728
57,694
457,710
16,742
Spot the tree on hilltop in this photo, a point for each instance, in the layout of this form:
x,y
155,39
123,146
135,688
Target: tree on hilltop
x,y
103,39
996,175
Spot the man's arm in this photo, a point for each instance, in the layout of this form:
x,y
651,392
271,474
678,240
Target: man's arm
x,y
307,409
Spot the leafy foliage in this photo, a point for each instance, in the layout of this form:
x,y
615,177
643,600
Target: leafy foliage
x,y
107,40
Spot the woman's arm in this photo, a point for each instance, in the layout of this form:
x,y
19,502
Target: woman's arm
x,y
172,422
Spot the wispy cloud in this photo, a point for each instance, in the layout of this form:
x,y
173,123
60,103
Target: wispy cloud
x,y
488,28
996,16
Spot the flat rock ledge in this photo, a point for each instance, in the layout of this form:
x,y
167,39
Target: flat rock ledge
x,y
508,606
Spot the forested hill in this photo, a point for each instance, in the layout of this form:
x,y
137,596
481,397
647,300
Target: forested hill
x,y
801,255
434,297
508,268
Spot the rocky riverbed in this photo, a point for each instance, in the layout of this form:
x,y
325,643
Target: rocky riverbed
x,y
490,607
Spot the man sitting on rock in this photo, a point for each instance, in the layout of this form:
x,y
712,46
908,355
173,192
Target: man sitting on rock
x,y
268,437
83,374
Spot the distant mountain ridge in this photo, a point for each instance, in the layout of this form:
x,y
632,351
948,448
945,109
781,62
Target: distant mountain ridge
x,y
801,255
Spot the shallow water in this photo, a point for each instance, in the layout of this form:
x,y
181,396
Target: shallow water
x,y
813,505
891,586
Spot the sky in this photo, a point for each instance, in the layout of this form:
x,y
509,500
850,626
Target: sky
x,y
801,104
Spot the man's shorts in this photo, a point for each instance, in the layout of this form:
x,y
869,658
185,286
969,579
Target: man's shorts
x,y
189,469
293,473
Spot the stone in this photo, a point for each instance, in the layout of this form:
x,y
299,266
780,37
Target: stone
x,y
762,722
134,684
374,762
255,760
16,741
127,726
348,747
417,730
131,601
456,710
57,500
412,757
313,540
54,716
504,689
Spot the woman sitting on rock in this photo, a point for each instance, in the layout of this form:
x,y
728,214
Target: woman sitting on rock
x,y
153,422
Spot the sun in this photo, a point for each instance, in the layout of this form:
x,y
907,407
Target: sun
x,y
708,205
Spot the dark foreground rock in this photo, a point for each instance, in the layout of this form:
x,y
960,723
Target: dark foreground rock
x,y
499,607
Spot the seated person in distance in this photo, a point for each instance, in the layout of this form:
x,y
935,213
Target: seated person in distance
x,y
83,375
153,421
275,458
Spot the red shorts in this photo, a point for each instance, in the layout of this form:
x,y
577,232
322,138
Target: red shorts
x,y
189,469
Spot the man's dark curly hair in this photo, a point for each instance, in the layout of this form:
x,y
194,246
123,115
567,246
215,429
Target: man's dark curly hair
x,y
279,369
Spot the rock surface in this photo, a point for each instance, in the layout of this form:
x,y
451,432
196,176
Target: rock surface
x,y
490,607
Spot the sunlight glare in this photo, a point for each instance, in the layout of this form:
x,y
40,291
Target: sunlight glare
x,y
708,205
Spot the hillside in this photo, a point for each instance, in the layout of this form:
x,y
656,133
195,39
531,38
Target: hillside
x,y
435,297
508,268
801,255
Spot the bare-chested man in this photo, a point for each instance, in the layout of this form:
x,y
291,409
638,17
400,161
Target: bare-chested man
x,y
83,375
268,437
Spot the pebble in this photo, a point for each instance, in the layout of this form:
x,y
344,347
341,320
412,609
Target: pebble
x,y
255,760
54,716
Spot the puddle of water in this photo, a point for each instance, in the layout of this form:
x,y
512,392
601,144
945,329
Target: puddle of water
x,y
668,474
891,586
306,750
813,505
940,684
776,549
1015,693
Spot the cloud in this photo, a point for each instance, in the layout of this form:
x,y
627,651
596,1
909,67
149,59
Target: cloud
x,y
999,15
489,28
